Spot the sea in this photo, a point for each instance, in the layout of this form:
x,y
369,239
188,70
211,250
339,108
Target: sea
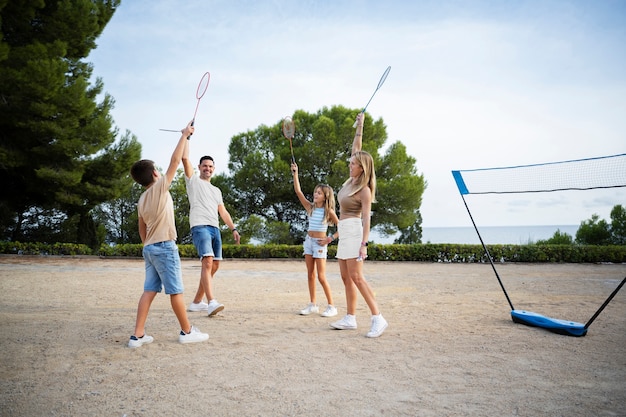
x,y
491,235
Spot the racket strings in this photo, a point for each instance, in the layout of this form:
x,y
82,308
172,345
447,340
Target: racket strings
x,y
380,84
384,77
203,85
289,130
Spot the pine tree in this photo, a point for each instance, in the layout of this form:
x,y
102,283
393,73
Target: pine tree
x,y
58,146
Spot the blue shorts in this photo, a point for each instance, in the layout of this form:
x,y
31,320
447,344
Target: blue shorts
x,y
163,268
311,247
208,241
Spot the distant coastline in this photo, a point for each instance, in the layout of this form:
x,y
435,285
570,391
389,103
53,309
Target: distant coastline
x,y
513,235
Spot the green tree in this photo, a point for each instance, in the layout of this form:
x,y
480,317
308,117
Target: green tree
x,y
225,184
558,238
261,182
58,148
594,231
253,227
178,190
618,225
119,216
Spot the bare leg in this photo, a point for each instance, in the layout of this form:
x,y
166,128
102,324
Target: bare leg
x,y
351,289
321,276
207,271
145,301
310,274
355,272
178,305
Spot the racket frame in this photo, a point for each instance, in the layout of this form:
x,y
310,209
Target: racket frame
x,y
200,91
382,80
289,130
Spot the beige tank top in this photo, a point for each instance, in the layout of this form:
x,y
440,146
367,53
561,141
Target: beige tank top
x,y
349,205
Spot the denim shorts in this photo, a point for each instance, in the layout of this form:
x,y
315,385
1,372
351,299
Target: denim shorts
x,y
311,247
208,241
163,268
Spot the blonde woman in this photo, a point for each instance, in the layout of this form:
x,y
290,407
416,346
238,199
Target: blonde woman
x,y
355,205
321,212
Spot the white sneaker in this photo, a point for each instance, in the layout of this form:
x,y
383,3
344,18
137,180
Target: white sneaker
x,y
311,308
136,342
201,306
193,336
348,322
214,307
330,311
379,324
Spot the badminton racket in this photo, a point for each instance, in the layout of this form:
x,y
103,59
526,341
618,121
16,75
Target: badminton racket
x,y
202,86
380,84
200,91
289,130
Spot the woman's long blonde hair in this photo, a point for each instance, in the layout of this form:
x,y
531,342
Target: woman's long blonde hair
x,y
329,201
368,176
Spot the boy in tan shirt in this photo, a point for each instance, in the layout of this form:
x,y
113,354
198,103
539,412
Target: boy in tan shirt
x,y
158,235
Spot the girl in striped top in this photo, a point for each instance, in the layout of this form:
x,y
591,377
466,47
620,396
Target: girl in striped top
x,y
321,212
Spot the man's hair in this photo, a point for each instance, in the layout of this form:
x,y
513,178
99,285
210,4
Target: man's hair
x,y
205,157
141,171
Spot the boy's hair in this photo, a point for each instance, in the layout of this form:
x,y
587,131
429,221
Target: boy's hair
x,y
368,176
141,171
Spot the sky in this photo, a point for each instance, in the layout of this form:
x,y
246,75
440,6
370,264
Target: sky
x,y
473,84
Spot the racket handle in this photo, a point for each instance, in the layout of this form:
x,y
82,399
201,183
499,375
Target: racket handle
x,y
356,121
192,122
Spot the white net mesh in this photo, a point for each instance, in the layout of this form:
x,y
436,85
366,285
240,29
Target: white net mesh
x,y
581,174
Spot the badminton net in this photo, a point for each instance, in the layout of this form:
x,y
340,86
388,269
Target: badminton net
x,y
580,174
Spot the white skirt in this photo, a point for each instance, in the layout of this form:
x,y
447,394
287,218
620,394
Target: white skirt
x,y
350,235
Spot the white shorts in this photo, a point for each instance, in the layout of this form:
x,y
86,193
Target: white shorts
x,y
350,235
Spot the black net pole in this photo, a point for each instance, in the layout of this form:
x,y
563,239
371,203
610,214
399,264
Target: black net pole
x,y
488,254
608,300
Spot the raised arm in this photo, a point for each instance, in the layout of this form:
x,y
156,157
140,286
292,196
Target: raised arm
x,y
296,187
187,166
357,143
177,155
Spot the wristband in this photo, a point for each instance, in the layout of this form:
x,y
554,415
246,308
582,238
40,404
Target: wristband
x,y
235,229
363,243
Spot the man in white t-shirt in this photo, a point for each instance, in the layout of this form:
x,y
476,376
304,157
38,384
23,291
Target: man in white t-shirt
x,y
206,207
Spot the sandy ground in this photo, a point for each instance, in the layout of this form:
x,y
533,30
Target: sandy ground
x,y
451,348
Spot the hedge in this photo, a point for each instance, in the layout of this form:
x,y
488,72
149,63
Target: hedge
x,y
453,253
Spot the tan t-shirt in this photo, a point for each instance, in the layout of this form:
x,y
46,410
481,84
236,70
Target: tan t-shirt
x,y
156,208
